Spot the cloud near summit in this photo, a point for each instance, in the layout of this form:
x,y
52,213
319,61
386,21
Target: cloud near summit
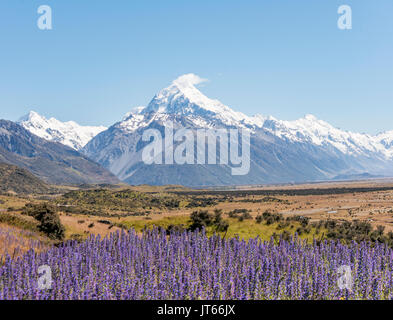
x,y
188,80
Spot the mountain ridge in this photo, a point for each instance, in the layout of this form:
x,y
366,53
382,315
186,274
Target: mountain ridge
x,y
52,162
68,133
306,149
169,99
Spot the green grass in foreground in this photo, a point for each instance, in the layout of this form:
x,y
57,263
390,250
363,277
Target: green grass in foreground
x,y
246,229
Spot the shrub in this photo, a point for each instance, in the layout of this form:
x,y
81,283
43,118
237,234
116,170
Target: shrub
x,y
245,216
77,237
200,219
303,220
48,218
177,229
269,221
282,225
286,236
104,222
203,219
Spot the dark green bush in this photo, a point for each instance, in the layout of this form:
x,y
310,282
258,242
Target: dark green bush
x,y
200,219
203,219
48,218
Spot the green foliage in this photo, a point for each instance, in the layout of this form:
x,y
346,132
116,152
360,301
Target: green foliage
x,y
219,223
200,219
49,221
303,220
286,235
103,202
240,214
175,229
266,199
201,202
21,181
269,218
203,219
18,221
104,222
356,230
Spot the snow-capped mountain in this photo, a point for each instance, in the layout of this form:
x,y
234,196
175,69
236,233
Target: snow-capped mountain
x,y
52,162
68,133
320,133
184,99
281,151
386,139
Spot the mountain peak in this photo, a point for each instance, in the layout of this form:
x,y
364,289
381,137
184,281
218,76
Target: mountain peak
x,y
183,98
180,95
310,117
31,115
134,111
68,133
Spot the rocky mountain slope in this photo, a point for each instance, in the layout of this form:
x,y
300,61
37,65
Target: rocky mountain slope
x,y
307,149
50,161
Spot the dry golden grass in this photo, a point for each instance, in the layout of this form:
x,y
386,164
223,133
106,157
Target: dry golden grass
x,y
375,207
83,226
15,241
12,201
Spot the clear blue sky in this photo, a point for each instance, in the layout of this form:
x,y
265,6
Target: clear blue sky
x,y
274,57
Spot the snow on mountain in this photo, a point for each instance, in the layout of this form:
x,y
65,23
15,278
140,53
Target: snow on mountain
x,y
386,139
134,111
307,149
318,132
69,133
183,98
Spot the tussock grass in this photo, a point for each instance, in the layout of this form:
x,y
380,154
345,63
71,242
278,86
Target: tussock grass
x,y
246,229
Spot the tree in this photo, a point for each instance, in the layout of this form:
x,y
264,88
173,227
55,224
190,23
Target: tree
x,y
200,219
50,223
203,219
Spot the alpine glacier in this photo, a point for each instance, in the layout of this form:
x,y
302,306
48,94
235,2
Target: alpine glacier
x,y
69,133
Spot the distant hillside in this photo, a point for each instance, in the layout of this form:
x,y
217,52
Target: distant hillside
x,y
360,176
52,162
21,181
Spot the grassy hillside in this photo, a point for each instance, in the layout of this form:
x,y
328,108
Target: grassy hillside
x,y
21,181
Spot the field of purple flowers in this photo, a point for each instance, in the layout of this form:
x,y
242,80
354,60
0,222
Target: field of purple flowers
x,y
193,266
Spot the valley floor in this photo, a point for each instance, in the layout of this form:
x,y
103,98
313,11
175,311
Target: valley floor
x,y
304,218
345,201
